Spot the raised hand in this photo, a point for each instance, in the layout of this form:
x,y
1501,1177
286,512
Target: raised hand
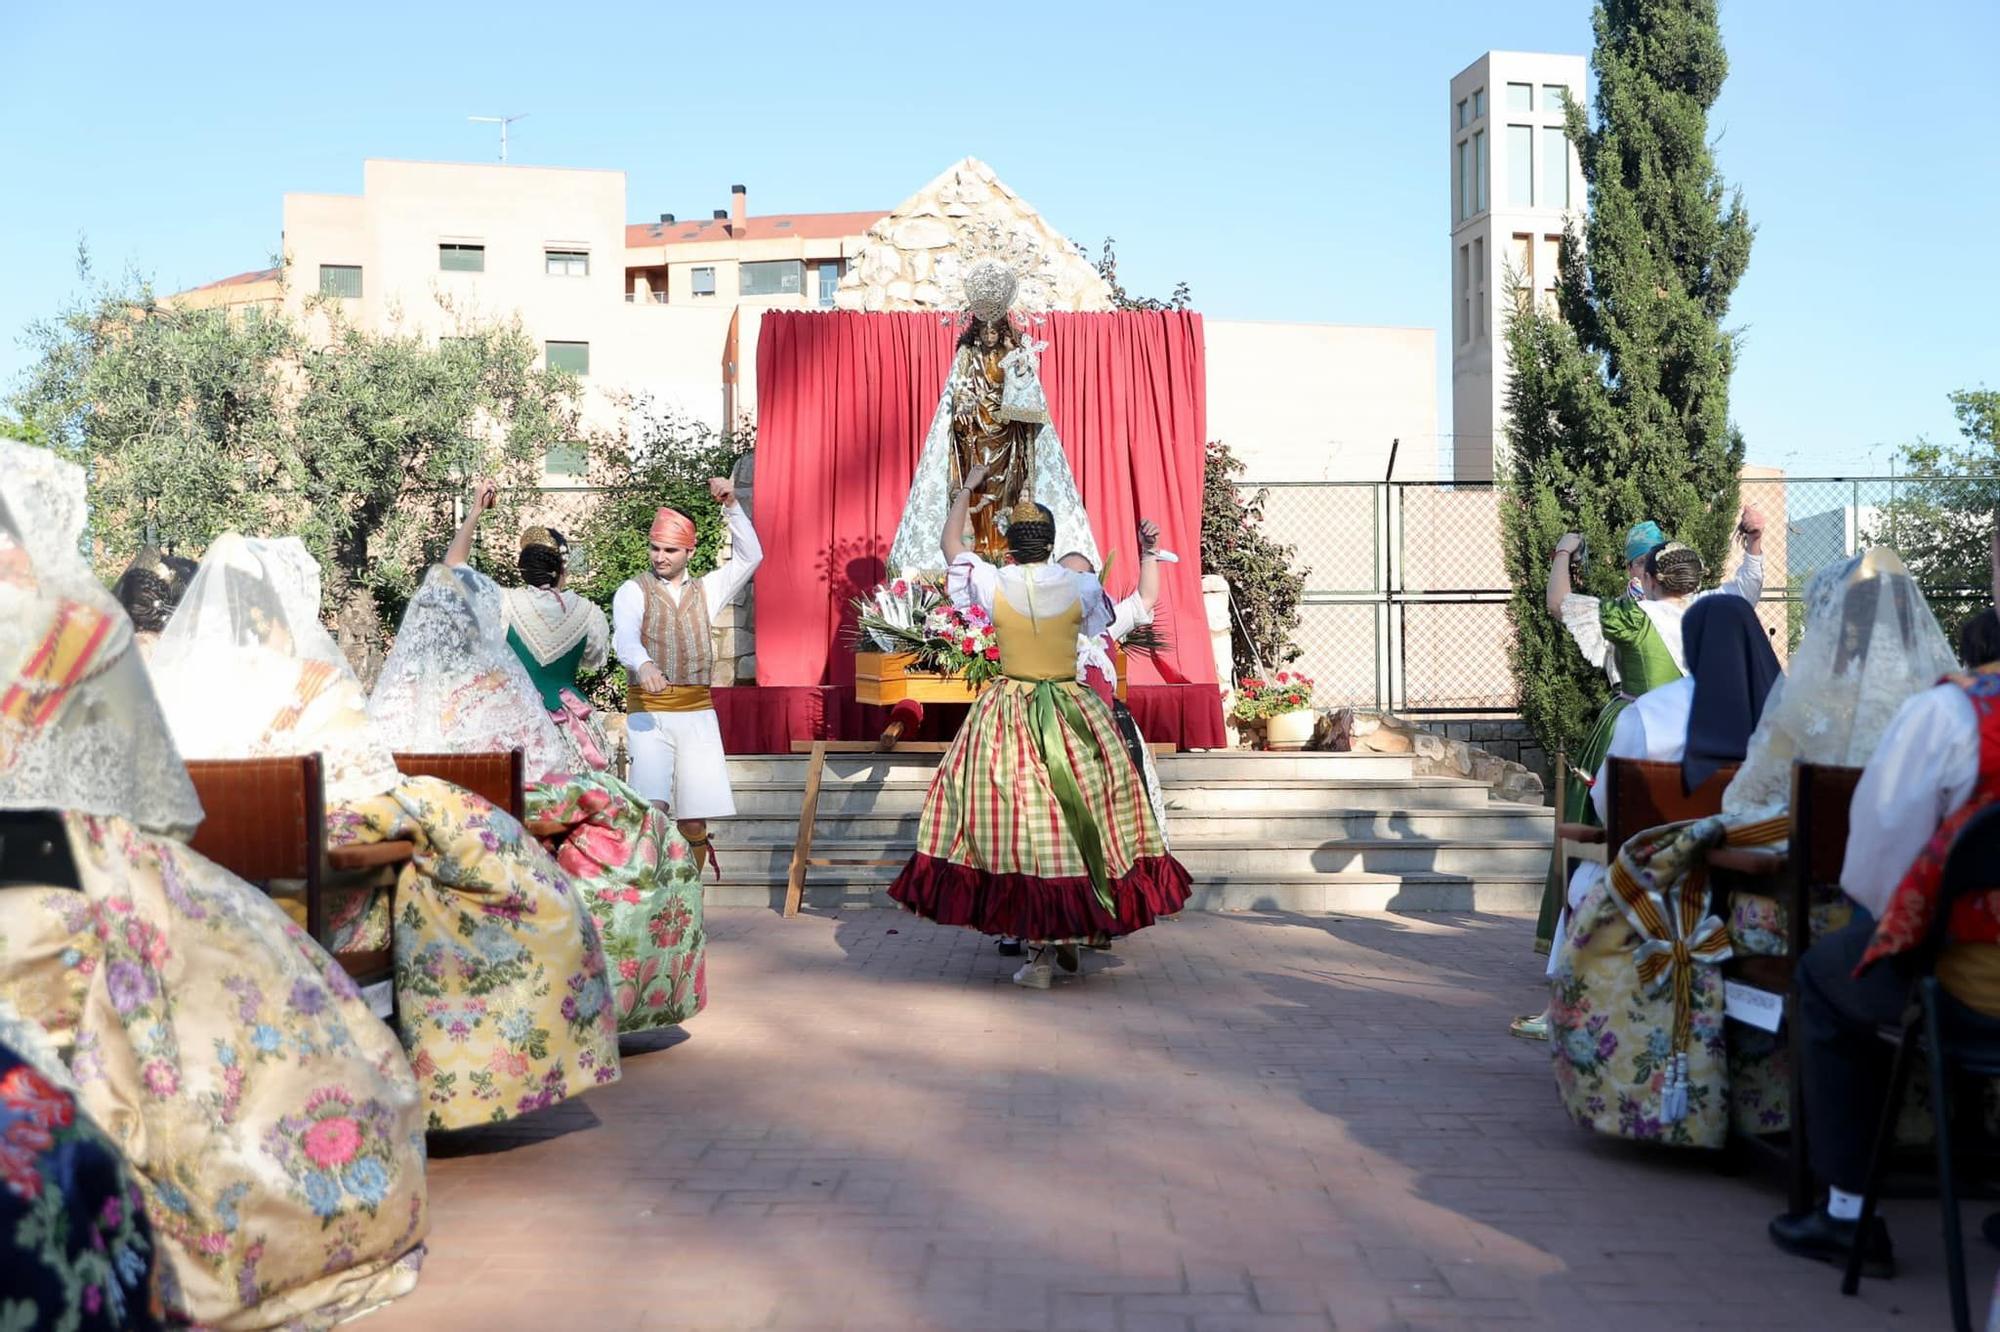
x,y
977,476
1149,536
485,494
1571,543
721,491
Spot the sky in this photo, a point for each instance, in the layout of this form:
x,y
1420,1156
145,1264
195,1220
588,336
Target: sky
x,y
1288,161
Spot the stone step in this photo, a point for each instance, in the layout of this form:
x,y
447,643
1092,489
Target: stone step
x,y
1254,857
1232,765
835,890
1191,819
782,799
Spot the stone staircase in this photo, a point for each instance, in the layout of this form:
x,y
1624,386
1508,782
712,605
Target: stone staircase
x,y
1284,832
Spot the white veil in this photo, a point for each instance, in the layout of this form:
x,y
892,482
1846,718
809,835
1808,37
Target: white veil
x,y
451,683
1871,642
245,669
916,545
80,728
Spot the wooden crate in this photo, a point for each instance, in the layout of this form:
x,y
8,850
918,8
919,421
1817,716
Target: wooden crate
x,y
888,678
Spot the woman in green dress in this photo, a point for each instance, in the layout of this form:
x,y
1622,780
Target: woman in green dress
x,y
1636,640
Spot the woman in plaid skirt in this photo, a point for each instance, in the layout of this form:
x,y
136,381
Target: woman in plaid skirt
x,y
1036,825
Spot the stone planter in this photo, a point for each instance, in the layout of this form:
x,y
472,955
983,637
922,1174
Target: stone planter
x,y
1289,730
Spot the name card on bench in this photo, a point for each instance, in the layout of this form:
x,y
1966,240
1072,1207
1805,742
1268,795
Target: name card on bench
x,y
1752,1006
381,998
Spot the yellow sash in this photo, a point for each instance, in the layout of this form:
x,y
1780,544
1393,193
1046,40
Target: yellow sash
x,y
674,698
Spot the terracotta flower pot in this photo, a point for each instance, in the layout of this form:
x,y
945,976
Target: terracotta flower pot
x,y
1289,730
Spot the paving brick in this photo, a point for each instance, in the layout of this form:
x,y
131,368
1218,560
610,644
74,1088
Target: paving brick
x,y
1233,1122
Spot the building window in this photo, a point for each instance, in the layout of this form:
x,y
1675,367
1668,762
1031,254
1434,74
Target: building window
x,y
1479,282
1464,303
1465,186
567,458
571,356
1521,166
1521,267
342,280
1520,97
566,263
702,281
462,258
1552,98
776,277
1555,167
829,283
1464,113
1480,203
1479,103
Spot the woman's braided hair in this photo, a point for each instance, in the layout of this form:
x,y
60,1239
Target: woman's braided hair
x,y
1676,568
1031,533
544,552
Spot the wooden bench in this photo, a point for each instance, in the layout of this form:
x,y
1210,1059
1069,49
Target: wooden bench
x,y
264,820
1641,794
498,776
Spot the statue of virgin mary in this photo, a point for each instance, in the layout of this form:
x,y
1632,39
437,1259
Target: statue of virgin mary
x,y
992,412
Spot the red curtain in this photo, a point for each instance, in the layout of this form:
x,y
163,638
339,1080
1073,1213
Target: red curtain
x,y
844,402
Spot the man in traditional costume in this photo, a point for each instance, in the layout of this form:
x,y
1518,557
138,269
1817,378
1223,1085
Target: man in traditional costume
x,y
1937,766
660,630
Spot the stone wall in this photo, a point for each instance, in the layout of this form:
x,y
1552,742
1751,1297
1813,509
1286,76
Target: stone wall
x,y
1440,754
1504,737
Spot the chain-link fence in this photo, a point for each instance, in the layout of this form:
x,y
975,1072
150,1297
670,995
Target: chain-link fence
x,y
1406,591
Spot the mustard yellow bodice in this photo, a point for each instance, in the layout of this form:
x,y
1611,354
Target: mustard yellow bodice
x,y
1042,648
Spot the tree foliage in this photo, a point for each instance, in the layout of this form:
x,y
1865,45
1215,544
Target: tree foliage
x,y
1107,268
1264,584
1618,401
1942,519
195,422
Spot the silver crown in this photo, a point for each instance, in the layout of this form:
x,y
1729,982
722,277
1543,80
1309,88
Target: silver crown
x,y
989,290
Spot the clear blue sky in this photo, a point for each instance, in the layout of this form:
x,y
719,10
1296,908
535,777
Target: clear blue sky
x,y
1289,161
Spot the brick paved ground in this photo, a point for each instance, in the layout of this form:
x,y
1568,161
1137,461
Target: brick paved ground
x,y
1237,1122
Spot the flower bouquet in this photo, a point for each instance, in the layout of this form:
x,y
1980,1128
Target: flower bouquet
x,y
909,627
1282,706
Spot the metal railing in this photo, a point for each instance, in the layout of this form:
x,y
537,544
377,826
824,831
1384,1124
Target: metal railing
x,y
1407,590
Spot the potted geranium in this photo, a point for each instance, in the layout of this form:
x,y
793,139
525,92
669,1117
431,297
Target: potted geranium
x,y
1284,705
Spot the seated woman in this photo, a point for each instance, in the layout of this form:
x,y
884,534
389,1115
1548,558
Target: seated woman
x,y
149,589
501,992
1633,1059
273,1125
452,685
1036,825
1870,643
75,1249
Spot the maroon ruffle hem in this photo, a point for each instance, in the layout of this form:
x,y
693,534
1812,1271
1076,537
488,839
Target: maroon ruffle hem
x,y
1021,906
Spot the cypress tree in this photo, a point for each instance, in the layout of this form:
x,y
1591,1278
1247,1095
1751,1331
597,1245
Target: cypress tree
x,y
1618,402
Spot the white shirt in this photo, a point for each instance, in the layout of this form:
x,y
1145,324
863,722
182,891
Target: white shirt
x,y
1654,727
971,581
1126,616
1582,618
1922,772
719,586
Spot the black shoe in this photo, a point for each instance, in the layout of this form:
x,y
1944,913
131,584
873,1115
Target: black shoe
x,y
1066,958
1818,1236
1010,948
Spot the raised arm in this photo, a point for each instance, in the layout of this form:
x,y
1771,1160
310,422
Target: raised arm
x,y
1559,581
1749,580
476,505
1149,562
720,585
952,539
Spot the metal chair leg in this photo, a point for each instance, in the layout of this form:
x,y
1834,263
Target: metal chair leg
x,y
1954,1238
1878,1159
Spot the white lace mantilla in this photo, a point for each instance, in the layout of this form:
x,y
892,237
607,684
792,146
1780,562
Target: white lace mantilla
x,y
917,546
82,730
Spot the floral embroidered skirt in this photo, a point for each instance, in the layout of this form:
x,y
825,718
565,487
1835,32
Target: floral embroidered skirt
x,y
270,1119
635,872
501,993
996,850
1610,1037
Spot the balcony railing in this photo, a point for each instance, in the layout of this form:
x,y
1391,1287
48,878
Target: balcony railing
x,y
652,298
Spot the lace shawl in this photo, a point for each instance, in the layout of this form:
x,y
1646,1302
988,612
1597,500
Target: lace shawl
x,y
451,683
80,728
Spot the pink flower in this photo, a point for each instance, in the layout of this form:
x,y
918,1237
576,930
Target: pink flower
x,y
332,1142
214,1243
993,654
628,968
968,645
900,588
161,1079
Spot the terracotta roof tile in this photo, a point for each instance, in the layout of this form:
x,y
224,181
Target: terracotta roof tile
x,y
255,275
809,226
